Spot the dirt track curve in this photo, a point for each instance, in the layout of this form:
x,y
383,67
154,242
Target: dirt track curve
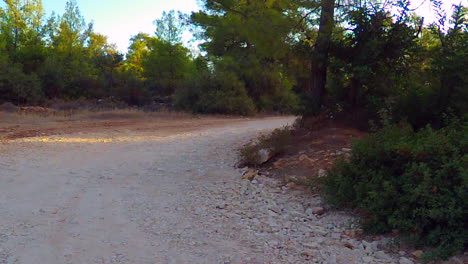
x,y
126,198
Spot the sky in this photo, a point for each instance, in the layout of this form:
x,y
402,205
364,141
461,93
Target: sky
x,y
122,19
119,20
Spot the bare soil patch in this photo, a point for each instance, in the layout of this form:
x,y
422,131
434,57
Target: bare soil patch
x,y
34,122
311,151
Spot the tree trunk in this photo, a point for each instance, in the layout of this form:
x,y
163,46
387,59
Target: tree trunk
x,y
320,57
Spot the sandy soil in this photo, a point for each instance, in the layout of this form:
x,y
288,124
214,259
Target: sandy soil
x,y
117,192
16,126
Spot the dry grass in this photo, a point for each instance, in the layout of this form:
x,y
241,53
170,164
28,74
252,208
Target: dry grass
x,y
38,116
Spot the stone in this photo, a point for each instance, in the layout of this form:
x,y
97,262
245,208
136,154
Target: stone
x,y
319,231
370,246
221,206
307,253
290,178
346,149
367,259
322,173
318,210
417,254
381,255
312,245
250,174
348,245
404,260
264,155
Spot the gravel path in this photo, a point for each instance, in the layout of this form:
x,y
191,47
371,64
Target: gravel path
x,y
173,199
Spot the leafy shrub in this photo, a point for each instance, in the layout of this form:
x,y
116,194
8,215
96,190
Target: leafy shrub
x,y
222,93
19,87
276,142
415,182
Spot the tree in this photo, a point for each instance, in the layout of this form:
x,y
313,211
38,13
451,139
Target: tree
x,y
21,30
248,38
68,56
166,65
320,58
171,26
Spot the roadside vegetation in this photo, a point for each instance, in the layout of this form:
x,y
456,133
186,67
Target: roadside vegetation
x,y
374,64
410,182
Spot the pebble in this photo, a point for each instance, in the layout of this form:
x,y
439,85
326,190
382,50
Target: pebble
x,y
404,260
318,210
381,255
417,254
313,245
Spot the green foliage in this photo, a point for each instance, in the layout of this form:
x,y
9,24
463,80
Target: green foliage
x,y
277,142
220,93
170,26
415,182
18,87
247,38
166,65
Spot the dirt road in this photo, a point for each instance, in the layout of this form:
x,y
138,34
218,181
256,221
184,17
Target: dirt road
x,y
127,197
157,191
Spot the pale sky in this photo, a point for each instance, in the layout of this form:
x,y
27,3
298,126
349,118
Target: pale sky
x,y
121,19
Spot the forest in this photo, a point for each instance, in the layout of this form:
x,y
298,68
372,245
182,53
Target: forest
x,y
288,56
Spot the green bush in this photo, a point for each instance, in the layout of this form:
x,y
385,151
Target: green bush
x,y
221,93
415,182
19,87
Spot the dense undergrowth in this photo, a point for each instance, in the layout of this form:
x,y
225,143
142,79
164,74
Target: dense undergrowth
x,y
411,181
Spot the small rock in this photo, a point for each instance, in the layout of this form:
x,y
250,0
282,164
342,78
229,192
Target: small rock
x,y
348,245
382,255
320,231
264,155
346,149
54,211
318,210
290,178
313,245
417,254
370,246
404,260
367,259
250,174
307,253
322,173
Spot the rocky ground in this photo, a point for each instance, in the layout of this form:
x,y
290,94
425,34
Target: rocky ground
x,y
138,198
